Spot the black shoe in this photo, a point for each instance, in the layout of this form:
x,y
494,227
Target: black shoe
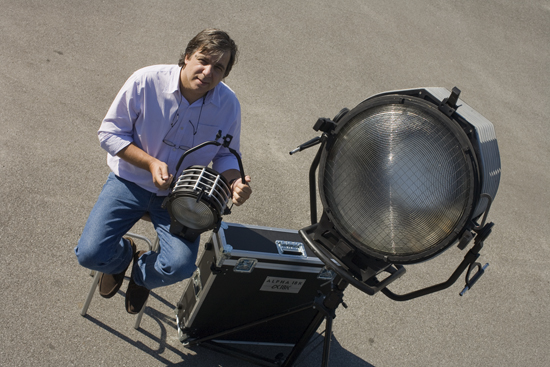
x,y
109,284
136,295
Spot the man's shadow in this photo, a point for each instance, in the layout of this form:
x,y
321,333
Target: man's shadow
x,y
166,324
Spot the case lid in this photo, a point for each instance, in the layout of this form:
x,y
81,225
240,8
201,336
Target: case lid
x,y
265,244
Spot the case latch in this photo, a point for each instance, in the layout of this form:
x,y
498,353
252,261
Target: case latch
x,y
245,265
326,274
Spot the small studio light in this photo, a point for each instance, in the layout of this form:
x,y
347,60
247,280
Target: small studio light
x,y
198,198
197,201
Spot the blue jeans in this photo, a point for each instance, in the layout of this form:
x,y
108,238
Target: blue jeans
x,y
101,247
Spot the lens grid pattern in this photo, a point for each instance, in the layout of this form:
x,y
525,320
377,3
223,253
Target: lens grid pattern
x,y
396,180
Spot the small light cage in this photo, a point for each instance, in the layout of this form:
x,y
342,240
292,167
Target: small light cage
x,y
403,174
197,201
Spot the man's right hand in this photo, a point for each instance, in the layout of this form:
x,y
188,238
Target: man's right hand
x,y
161,177
159,170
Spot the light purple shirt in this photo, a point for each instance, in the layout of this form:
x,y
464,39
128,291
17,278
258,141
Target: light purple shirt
x,y
150,108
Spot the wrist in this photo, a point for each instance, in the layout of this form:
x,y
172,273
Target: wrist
x,y
152,164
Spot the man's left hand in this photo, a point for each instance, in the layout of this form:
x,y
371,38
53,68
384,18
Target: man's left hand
x,y
241,191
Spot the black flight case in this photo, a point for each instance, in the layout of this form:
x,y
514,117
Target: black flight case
x,y
253,285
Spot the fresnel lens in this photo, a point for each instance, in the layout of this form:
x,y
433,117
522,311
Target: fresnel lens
x,y
402,177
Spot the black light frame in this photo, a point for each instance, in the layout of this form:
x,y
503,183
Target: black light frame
x,y
360,268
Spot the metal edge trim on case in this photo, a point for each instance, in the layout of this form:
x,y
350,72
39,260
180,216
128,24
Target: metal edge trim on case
x,y
283,267
219,238
276,257
260,227
200,300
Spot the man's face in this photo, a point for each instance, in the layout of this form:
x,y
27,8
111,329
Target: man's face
x,y
202,73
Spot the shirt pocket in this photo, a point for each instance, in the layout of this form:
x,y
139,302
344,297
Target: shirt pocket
x,y
208,133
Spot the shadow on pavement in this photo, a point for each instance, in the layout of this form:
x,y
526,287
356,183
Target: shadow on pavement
x,y
311,355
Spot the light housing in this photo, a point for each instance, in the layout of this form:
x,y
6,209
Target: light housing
x,y
402,177
199,198
197,201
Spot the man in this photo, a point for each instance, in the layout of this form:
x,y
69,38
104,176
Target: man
x,y
160,112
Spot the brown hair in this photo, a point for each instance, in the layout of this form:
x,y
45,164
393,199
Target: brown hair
x,y
211,41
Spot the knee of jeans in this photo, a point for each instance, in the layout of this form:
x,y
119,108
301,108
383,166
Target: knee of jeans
x,y
90,257
180,270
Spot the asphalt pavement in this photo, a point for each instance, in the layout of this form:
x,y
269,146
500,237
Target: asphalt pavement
x,y
62,62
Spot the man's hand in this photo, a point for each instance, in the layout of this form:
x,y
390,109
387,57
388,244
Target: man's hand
x,y
159,170
241,191
161,177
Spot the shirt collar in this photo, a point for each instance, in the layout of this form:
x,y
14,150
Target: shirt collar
x,y
173,86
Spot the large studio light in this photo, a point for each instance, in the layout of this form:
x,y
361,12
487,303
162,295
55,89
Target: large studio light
x,y
402,177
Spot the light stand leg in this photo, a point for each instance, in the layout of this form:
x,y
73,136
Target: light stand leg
x,y
328,338
326,307
304,340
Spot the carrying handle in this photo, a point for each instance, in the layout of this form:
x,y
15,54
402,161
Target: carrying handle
x,y
226,141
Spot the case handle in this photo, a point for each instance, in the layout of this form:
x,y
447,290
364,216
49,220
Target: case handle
x,y
290,248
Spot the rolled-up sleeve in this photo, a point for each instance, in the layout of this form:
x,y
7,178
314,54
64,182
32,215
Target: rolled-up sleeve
x,y
113,143
116,130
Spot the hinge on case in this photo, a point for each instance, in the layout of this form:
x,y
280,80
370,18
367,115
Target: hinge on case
x,y
197,284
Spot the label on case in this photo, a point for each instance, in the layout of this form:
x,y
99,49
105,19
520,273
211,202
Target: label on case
x,y
284,285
